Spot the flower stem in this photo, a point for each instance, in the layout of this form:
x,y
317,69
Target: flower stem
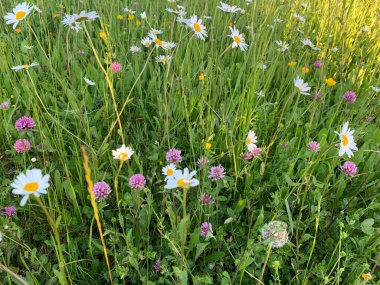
x,y
265,265
184,225
61,260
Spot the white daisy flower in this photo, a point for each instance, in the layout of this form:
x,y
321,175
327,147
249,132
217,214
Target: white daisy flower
x,y
238,38
163,58
25,66
169,10
181,13
123,153
182,179
85,16
309,43
156,32
32,182
20,12
304,5
347,144
168,45
129,10
135,49
36,8
301,86
299,17
335,49
375,89
156,40
282,46
198,28
69,20
251,140
147,42
169,171
143,15
228,9
260,93
88,81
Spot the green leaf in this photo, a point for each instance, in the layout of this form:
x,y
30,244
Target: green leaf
x,y
200,248
366,226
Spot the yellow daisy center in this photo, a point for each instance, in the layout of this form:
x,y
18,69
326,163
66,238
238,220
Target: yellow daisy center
x,y
237,39
147,44
197,27
169,172
123,156
344,140
31,186
183,183
20,15
249,141
164,59
158,42
26,66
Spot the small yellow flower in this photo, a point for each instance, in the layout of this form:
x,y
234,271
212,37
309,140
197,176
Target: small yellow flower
x,y
330,81
367,276
292,63
230,24
305,69
131,17
55,15
201,76
138,22
208,146
119,17
102,34
18,30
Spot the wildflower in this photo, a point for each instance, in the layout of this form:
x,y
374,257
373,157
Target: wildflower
x,y
163,58
156,40
120,17
251,140
375,89
305,69
228,9
301,86
20,12
157,265
335,49
367,276
168,45
102,35
155,32
238,38
88,81
24,66
174,156
169,170
349,168
201,76
216,173
143,15
28,47
4,105
135,49
18,30
123,153
203,161
246,156
347,144
22,146
299,18
309,43
138,22
313,146
131,17
146,42
32,182
24,123
55,15
33,159
330,81
282,46
208,145
198,28
101,190
255,151
276,233
292,63
318,64
182,179
74,21
206,229
206,199
137,181
116,67
9,211
350,96
129,11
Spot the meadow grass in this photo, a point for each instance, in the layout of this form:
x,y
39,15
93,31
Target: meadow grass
x,y
154,235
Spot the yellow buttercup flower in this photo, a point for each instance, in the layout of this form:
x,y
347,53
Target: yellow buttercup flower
x,y
18,30
119,17
55,15
292,63
330,81
138,22
102,34
208,145
201,76
367,276
305,69
131,17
